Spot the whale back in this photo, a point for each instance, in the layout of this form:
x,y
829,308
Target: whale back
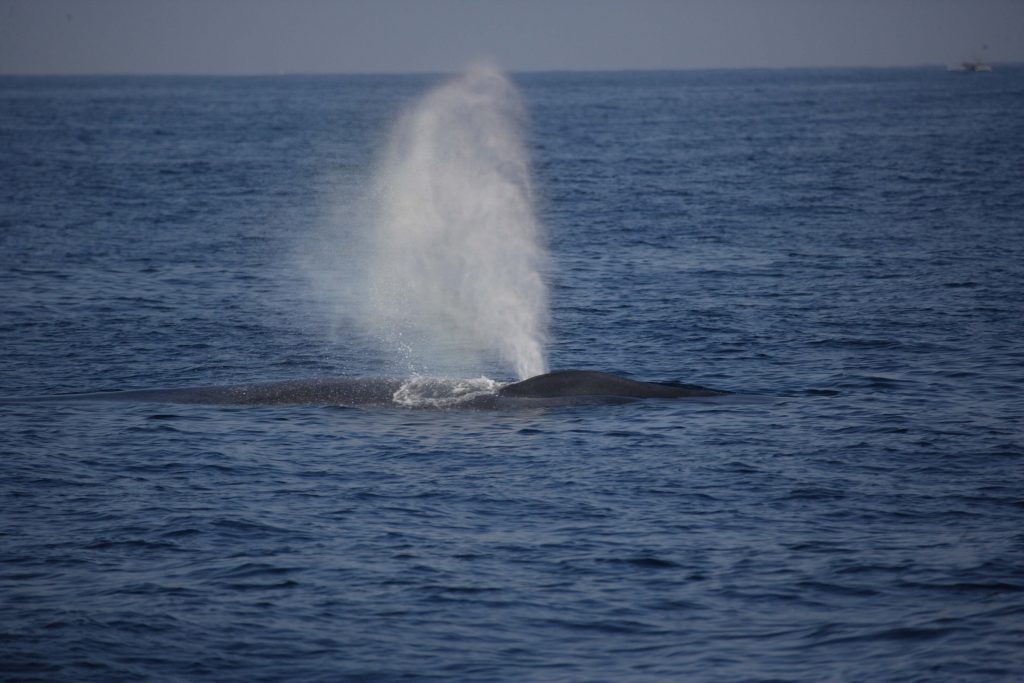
x,y
326,391
566,387
590,383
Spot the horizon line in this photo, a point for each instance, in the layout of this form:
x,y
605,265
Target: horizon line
x,y
269,74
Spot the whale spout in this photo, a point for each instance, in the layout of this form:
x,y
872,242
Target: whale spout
x,y
589,383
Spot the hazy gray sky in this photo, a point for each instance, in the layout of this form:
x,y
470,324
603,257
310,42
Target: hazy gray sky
x,y
331,36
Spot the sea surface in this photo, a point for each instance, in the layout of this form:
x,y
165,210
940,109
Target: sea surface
x,y
844,249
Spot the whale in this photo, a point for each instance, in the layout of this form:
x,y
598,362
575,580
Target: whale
x,y
563,387
588,383
345,391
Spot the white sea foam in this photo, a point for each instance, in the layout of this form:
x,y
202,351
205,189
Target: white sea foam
x,y
432,392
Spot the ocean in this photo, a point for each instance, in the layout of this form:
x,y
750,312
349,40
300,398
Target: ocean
x,y
842,249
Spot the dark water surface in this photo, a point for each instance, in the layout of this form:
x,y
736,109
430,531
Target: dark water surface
x,y
844,248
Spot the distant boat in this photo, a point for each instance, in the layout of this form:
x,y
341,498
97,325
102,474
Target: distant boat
x,y
973,65
970,67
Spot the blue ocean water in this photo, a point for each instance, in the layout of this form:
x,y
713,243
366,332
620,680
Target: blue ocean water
x,y
842,248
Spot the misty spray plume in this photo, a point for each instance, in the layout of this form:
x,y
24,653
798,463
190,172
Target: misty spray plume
x,y
454,258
